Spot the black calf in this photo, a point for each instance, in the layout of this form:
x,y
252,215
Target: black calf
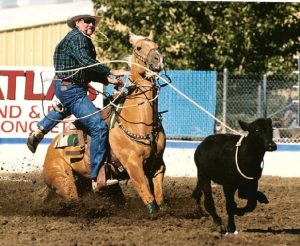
x,y
234,167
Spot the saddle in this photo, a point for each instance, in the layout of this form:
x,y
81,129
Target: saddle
x,y
73,141
76,142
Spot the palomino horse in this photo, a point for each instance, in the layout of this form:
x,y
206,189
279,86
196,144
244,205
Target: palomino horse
x,y
137,140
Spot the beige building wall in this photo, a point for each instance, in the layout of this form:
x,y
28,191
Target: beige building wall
x,y
29,33
31,46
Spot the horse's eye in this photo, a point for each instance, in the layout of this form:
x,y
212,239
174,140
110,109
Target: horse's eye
x,y
138,48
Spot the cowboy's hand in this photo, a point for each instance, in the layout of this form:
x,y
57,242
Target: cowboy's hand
x,y
120,81
117,81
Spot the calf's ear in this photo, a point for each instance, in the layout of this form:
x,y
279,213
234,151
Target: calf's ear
x,y
244,125
269,121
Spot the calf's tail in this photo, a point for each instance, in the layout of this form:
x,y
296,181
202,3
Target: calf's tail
x,y
197,193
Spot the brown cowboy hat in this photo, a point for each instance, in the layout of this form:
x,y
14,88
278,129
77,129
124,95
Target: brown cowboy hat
x,y
71,21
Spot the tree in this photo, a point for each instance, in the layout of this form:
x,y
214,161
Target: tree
x,y
243,37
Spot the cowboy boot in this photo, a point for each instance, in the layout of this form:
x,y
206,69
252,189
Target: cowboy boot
x,y
34,139
102,180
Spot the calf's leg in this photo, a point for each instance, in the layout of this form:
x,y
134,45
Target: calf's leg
x,y
253,196
210,205
261,197
197,194
231,208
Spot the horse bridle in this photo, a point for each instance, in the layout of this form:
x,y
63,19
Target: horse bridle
x,y
151,61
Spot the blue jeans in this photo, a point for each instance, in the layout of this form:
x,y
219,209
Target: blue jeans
x,y
75,101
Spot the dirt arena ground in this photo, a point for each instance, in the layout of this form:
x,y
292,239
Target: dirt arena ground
x,y
109,219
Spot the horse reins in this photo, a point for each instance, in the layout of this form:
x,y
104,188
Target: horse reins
x,y
148,138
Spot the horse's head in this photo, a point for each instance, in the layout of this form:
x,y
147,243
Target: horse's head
x,y
145,53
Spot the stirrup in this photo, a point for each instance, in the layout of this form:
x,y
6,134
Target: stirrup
x,y
109,182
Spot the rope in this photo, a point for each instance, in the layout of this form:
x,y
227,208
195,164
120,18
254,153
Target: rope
x,y
156,74
238,144
83,117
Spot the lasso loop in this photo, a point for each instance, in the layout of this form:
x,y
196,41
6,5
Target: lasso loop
x,y
150,72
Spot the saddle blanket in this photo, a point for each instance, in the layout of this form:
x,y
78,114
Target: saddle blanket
x,y
71,138
67,140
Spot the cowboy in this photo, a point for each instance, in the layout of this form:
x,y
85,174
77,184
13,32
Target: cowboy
x,y
75,54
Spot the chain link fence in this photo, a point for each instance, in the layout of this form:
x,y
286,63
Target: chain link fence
x,y
250,96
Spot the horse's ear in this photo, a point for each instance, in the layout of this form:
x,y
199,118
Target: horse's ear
x,y
151,35
131,37
134,38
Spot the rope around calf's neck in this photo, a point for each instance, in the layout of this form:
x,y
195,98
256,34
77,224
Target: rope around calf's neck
x,y
238,144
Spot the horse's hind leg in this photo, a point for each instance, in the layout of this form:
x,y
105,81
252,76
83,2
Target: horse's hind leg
x,y
45,194
58,175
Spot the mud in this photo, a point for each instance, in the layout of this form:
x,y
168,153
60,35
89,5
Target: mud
x,y
108,218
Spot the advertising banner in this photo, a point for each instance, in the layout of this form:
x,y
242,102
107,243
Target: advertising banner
x,y
26,96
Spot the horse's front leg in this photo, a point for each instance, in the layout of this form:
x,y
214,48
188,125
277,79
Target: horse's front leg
x,y
157,180
135,170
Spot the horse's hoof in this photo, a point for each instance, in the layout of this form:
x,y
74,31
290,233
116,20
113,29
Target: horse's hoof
x,y
152,208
